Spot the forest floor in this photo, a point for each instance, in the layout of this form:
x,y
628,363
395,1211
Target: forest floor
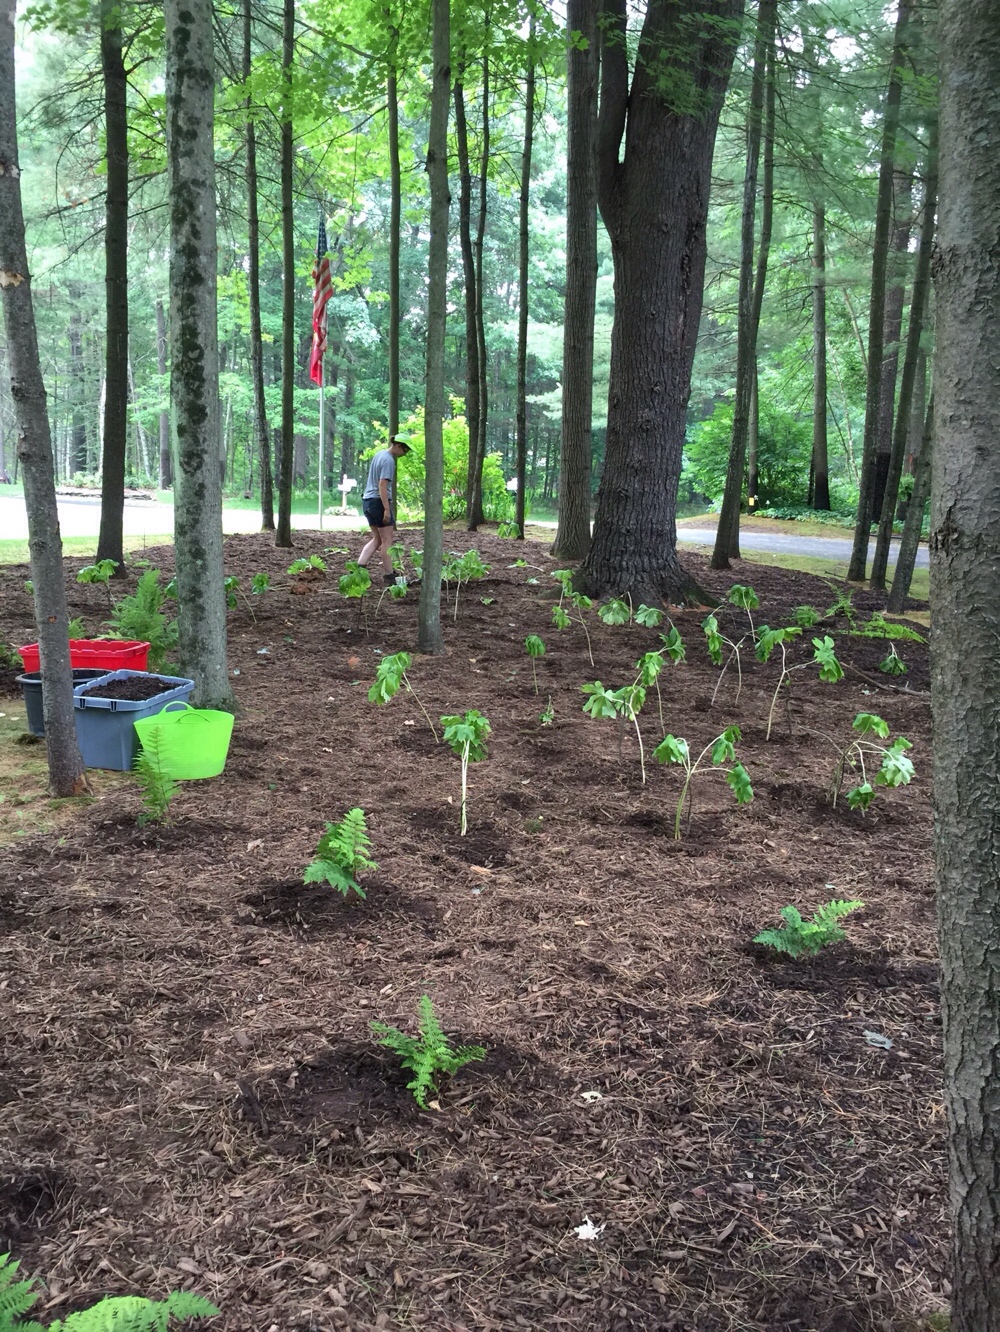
x,y
190,1095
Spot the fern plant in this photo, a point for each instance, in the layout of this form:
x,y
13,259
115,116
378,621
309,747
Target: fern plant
x,y
140,617
798,936
122,1313
156,786
428,1055
341,854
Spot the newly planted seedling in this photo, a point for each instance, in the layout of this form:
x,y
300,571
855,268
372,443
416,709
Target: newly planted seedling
x,y
806,616
427,1056
895,768
649,617
615,611
466,735
355,584
893,664
102,573
675,749
342,854
625,703
302,565
824,656
155,784
673,645
459,569
747,599
649,666
561,618
260,583
548,714
716,642
390,677
508,530
139,617
535,648
797,936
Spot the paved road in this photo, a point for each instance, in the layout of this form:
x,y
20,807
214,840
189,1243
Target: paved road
x,y
828,548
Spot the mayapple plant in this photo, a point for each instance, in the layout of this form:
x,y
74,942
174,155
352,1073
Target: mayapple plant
x,y
625,704
747,599
535,648
895,770
102,572
342,854
260,583
615,611
302,564
459,569
390,677
355,583
580,603
716,641
648,668
824,656
675,749
466,736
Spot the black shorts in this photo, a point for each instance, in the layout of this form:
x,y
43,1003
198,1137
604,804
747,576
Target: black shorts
x,y
374,512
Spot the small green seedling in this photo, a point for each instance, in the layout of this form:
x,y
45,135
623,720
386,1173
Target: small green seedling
x,y
466,735
747,599
580,603
428,1055
260,583
459,569
806,616
302,564
124,1313
648,668
843,604
342,854
232,586
156,786
355,584
102,572
716,641
625,703
895,770
893,664
390,677
673,645
797,936
675,749
615,611
508,530
824,656
548,714
649,617
535,648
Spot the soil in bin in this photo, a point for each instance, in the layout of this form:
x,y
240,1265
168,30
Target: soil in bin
x,y
190,1070
134,689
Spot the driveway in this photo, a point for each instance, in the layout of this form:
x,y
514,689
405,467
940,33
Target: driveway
x,y
826,548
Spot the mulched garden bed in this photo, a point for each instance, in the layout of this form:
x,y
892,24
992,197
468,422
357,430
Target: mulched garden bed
x,y
189,1091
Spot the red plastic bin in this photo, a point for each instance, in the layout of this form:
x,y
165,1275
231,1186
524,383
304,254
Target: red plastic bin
x,y
109,654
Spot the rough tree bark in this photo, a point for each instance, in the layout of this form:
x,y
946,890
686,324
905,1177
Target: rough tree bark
x,y
906,556
283,536
576,446
475,500
897,264
110,537
521,409
194,371
468,280
77,373
876,309
166,464
820,451
763,258
429,636
668,120
34,446
261,432
395,218
965,663
727,537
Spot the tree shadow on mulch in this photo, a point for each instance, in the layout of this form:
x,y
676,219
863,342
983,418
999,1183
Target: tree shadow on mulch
x,y
27,1197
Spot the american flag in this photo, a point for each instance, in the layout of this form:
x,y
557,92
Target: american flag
x,y
322,292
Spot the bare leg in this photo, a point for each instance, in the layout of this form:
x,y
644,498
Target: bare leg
x,y
370,547
387,536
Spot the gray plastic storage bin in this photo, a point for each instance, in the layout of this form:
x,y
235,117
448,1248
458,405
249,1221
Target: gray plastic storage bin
x,y
31,689
104,726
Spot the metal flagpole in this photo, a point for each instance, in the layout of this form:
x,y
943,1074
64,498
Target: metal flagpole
x,y
322,438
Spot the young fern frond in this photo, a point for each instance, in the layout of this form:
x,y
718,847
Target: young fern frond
x,y
427,1056
157,787
341,854
797,936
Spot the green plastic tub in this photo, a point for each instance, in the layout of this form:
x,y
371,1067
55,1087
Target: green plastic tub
x,y
191,743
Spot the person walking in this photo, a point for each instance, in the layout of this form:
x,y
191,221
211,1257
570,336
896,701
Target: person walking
x,y
378,503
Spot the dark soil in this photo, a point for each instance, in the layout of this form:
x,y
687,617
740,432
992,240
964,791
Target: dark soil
x,y
134,688
190,1094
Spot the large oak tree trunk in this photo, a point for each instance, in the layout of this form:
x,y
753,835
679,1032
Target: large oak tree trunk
x,y
573,533
261,431
34,446
668,121
194,370
283,536
965,664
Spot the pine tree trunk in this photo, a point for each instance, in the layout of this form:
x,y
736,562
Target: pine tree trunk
x,y
78,428
727,538
521,448
895,299
261,431
283,536
429,636
34,447
876,313
395,217
475,513
469,286
658,243
573,534
194,372
918,306
166,463
110,537
906,557
820,453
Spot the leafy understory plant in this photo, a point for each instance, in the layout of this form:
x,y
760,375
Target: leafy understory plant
x,y
747,599
303,563
648,670
879,627
625,703
673,645
508,530
895,768
797,936
156,785
355,584
650,617
806,616
260,583
675,749
824,656
548,714
140,617
390,677
342,854
535,648
716,641
466,736
893,664
77,628
615,611
121,1313
561,618
428,1056
459,569
102,572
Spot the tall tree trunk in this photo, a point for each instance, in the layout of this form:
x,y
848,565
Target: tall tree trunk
x,y
283,536
260,426
429,636
876,312
475,508
965,663
820,454
906,556
658,242
469,285
918,306
763,258
78,428
166,463
895,299
522,288
194,371
110,537
34,447
573,533
395,219
727,537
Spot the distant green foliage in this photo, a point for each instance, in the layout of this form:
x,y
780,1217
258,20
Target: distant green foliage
x,y
427,1056
510,530
342,854
797,936
783,453
232,585
123,1313
140,617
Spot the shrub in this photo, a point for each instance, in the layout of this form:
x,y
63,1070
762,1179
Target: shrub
x,y
784,449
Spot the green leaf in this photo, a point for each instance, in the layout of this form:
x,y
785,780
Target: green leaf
x,y
614,611
649,667
745,597
710,626
467,732
559,618
861,797
769,639
739,779
673,646
806,616
389,677
534,646
868,723
649,616
830,669
672,749
600,702
893,664
260,583
722,750
897,769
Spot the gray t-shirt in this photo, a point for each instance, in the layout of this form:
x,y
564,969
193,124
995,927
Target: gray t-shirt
x,y
382,465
